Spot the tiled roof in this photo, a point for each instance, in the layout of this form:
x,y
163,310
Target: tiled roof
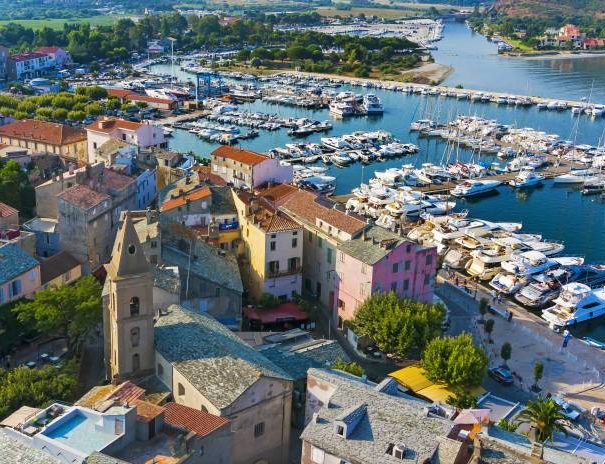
x,y
108,125
215,361
236,154
182,200
147,411
112,146
148,99
41,131
119,93
266,217
277,193
199,422
14,261
376,245
47,49
127,392
114,181
15,451
25,56
309,207
100,458
57,265
83,197
206,176
6,210
388,420
206,263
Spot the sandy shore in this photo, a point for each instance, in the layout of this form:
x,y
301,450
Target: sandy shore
x,y
430,73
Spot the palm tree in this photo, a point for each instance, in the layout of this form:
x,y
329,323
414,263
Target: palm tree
x,y
545,416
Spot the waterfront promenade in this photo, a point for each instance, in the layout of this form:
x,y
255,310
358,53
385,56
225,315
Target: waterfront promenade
x,y
573,372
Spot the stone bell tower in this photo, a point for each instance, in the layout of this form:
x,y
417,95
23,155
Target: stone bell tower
x,y
128,312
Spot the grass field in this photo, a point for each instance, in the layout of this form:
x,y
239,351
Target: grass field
x,y
394,11
58,23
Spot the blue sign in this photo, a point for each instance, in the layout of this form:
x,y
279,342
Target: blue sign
x,y
230,226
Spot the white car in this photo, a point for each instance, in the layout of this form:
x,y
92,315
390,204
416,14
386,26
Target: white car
x,y
568,410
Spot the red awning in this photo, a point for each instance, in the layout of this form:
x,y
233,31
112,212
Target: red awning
x,y
283,313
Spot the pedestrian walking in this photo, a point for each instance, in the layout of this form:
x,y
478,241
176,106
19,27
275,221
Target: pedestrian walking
x,y
456,281
499,297
510,316
494,295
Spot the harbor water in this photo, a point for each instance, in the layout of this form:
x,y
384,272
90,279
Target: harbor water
x,y
558,213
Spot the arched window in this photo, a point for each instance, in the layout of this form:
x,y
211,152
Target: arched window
x,y
181,389
136,362
135,335
134,306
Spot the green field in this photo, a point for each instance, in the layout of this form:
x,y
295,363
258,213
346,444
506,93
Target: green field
x,y
58,23
391,11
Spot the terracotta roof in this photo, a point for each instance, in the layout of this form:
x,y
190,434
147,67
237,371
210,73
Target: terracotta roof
x,y
277,193
199,422
120,93
27,56
147,98
205,175
47,49
147,411
57,265
6,210
115,181
309,206
108,125
83,197
194,195
236,154
41,131
127,392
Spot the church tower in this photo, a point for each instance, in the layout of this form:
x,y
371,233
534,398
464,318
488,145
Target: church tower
x,y
128,312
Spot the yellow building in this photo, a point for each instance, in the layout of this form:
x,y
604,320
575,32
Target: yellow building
x,y
272,248
46,137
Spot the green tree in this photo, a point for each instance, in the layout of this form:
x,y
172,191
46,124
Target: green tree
x,y
76,115
70,310
37,387
350,367
489,328
483,305
60,114
397,325
545,416
455,361
508,425
93,109
462,399
538,373
267,300
15,189
506,352
113,104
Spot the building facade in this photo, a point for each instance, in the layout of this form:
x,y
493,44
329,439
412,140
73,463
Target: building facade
x,y
128,311
381,261
143,135
46,137
19,273
247,169
9,217
271,259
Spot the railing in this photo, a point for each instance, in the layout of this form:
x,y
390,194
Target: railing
x,y
274,274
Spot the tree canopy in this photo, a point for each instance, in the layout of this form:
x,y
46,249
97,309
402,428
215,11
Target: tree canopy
x,y
545,416
397,325
350,367
15,189
37,387
455,361
70,310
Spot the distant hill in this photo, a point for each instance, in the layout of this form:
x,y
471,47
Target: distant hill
x,y
551,8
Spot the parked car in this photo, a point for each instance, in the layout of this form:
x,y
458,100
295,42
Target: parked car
x,y
501,375
568,410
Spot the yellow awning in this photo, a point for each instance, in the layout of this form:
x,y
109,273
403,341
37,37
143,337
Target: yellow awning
x,y
414,379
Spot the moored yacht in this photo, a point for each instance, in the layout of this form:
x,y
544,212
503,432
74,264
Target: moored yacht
x,y
342,109
543,288
473,187
576,303
372,104
527,177
576,176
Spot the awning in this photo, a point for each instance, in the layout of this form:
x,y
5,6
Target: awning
x,y
287,312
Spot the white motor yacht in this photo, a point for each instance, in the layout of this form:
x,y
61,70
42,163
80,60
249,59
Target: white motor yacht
x,y
576,303
543,288
372,104
473,187
341,109
576,176
527,177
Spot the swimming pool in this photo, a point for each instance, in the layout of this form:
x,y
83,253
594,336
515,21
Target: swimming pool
x,y
80,433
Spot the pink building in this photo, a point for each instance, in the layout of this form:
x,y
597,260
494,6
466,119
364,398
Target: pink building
x,y
142,135
19,273
381,261
58,57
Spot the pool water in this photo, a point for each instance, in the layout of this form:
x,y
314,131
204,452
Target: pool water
x,y
79,433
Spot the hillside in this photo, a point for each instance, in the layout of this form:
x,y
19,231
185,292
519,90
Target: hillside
x,y
551,8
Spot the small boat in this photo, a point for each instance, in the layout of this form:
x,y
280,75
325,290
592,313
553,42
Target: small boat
x,y
593,188
576,176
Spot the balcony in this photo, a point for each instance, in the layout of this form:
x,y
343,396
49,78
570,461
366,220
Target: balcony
x,y
275,274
